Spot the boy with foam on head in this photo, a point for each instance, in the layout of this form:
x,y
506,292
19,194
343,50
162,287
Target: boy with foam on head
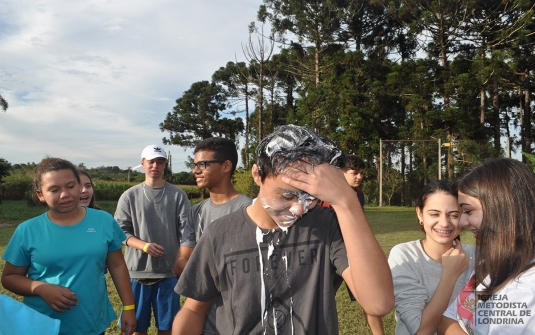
x,y
273,265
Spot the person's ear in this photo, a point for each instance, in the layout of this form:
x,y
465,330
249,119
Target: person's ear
x,y
256,175
227,166
419,214
40,196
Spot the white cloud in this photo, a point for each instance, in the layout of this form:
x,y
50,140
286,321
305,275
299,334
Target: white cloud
x,y
90,81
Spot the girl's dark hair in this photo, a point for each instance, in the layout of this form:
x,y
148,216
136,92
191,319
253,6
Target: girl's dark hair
x,y
92,203
433,187
52,164
506,238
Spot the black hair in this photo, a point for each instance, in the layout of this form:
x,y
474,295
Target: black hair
x,y
354,162
289,144
223,149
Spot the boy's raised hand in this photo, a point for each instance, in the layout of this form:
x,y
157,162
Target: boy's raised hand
x,y
322,181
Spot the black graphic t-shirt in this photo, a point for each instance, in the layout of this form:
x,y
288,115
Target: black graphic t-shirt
x,y
268,281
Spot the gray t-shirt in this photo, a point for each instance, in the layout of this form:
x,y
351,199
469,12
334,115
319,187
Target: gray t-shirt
x,y
203,213
416,278
199,217
268,281
153,215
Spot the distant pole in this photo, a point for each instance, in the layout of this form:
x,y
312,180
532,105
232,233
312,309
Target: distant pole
x,y
380,172
170,163
439,159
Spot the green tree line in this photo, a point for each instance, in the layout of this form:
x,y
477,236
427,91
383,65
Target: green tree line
x,y
356,71
109,181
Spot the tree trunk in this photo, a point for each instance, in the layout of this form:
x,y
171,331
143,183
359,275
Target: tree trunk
x,y
526,141
496,113
247,128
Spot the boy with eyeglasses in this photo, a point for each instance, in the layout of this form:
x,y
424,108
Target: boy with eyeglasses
x,y
152,215
271,265
214,162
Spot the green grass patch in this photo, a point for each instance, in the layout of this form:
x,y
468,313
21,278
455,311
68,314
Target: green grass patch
x,y
391,226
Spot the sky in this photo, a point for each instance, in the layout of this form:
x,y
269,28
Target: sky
x,y
90,81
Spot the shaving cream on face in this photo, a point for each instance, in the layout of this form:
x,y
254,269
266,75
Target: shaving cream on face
x,y
286,213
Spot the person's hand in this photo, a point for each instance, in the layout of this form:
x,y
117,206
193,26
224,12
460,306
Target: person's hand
x,y
454,260
128,322
322,181
154,249
59,298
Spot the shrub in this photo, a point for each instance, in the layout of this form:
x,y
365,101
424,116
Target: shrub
x,y
17,184
244,183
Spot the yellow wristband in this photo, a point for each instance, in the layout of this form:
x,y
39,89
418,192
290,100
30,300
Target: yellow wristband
x,y
145,247
129,307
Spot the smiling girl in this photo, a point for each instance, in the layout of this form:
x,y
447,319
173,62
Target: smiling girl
x,y
428,274
56,260
87,195
498,199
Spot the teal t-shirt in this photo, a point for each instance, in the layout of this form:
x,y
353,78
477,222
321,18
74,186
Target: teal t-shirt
x,y
70,256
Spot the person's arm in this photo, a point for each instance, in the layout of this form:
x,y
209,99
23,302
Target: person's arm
x,y
369,276
188,241
454,262
184,253
59,298
119,273
184,209
151,248
190,318
449,326
375,323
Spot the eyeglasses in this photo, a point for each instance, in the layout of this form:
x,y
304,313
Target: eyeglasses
x,y
202,164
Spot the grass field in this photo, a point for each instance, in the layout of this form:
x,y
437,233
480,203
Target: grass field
x,y
391,225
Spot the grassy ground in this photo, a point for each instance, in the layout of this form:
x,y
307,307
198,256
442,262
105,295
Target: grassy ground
x,y
391,225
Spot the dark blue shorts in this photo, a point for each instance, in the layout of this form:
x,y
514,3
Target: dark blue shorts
x,y
160,298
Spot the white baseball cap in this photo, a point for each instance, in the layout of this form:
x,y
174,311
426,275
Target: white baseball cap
x,y
152,152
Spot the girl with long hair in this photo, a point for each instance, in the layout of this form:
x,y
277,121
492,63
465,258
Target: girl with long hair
x,y
498,199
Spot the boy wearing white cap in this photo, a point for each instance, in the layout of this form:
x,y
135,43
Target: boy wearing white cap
x,y
152,215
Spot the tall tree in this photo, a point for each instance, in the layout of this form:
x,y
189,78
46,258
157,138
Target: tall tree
x,y
197,116
3,103
258,55
237,78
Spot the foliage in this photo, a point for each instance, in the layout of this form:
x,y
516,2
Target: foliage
x,y
243,182
4,171
197,116
531,158
3,104
18,185
361,71
184,178
114,173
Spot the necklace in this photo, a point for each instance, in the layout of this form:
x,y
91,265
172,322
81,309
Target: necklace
x,y
155,200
